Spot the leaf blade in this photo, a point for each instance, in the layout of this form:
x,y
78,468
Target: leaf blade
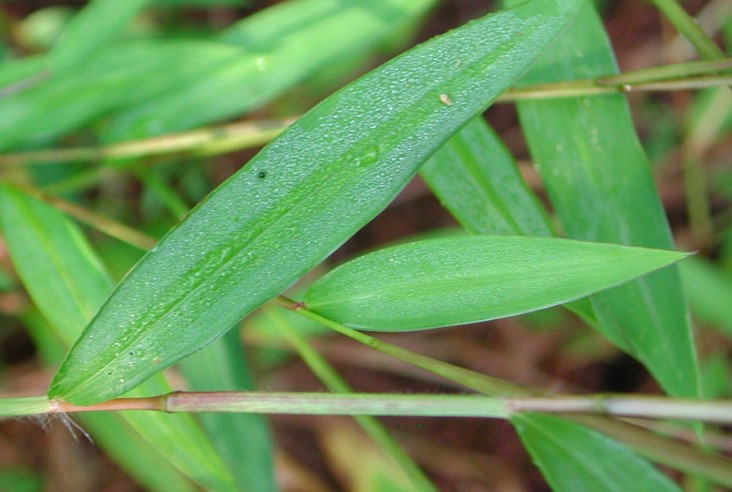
x,y
68,284
601,463
460,280
321,180
598,179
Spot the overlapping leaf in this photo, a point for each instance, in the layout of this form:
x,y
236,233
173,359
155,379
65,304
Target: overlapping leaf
x,y
301,197
604,465
68,284
459,280
151,87
600,185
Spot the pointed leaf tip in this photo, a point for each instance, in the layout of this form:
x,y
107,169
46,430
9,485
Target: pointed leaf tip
x,y
452,281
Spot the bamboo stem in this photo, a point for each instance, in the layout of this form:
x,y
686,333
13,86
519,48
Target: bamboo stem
x,y
422,405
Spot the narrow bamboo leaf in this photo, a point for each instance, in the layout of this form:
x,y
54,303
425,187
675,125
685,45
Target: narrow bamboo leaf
x,y
67,283
90,29
602,465
372,471
16,70
600,185
709,288
298,199
459,280
279,46
476,179
242,440
147,91
201,3
113,79
122,443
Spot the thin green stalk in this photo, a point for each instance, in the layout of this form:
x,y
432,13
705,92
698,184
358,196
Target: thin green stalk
x,y
659,449
689,28
672,71
697,140
163,191
411,405
476,381
373,428
103,224
205,142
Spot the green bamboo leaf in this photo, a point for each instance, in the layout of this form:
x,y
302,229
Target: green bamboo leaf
x,y
243,440
603,465
279,47
68,284
598,179
122,443
115,78
298,199
147,91
90,29
476,179
459,280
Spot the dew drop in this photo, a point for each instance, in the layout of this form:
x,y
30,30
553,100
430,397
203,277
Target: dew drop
x,y
368,157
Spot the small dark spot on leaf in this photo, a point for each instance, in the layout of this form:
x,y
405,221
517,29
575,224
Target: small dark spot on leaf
x,y
262,174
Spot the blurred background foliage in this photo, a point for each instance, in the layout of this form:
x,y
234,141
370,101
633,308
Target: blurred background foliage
x,y
135,110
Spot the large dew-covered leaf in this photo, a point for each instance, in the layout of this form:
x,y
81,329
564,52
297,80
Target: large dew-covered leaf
x,y
300,198
459,280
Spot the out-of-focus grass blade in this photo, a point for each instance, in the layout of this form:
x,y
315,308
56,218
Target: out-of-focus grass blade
x,y
599,181
242,440
371,472
20,480
125,446
113,79
117,438
152,92
606,466
709,289
280,46
67,283
459,280
299,199
90,29
392,459
201,3
19,69
476,179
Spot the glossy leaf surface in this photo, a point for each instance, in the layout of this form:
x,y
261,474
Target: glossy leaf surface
x,y
299,199
601,465
242,440
459,280
598,179
476,179
68,284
